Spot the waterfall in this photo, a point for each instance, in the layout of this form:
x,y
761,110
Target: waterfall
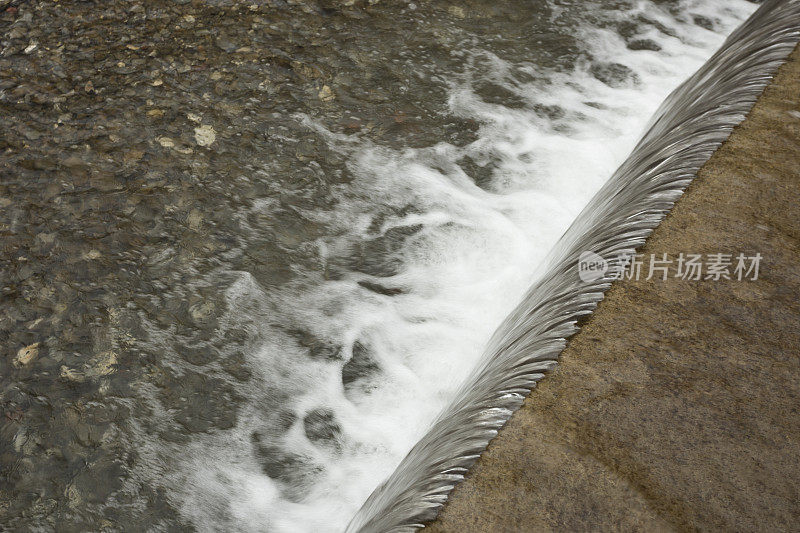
x,y
683,134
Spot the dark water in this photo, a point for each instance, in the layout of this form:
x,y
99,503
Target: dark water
x,y
249,250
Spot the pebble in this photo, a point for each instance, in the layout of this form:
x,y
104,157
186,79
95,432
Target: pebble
x,y
103,364
201,311
205,135
166,142
73,162
195,219
70,374
226,45
325,94
26,355
457,11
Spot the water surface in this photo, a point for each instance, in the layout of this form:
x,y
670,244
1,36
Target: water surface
x,y
255,248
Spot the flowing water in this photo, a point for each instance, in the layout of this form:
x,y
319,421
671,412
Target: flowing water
x,y
402,277
325,273
688,127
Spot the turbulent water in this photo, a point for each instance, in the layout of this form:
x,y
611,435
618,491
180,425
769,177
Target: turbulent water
x,y
685,131
257,248
405,270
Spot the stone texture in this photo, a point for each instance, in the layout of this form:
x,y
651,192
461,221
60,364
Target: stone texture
x,y
676,405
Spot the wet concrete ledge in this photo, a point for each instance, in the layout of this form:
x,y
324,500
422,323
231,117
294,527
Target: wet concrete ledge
x,y
677,406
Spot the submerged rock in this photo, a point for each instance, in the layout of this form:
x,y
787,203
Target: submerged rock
x,y
321,427
26,355
360,366
381,256
205,135
644,44
614,74
296,473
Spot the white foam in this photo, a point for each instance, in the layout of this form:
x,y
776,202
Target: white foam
x,y
463,272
